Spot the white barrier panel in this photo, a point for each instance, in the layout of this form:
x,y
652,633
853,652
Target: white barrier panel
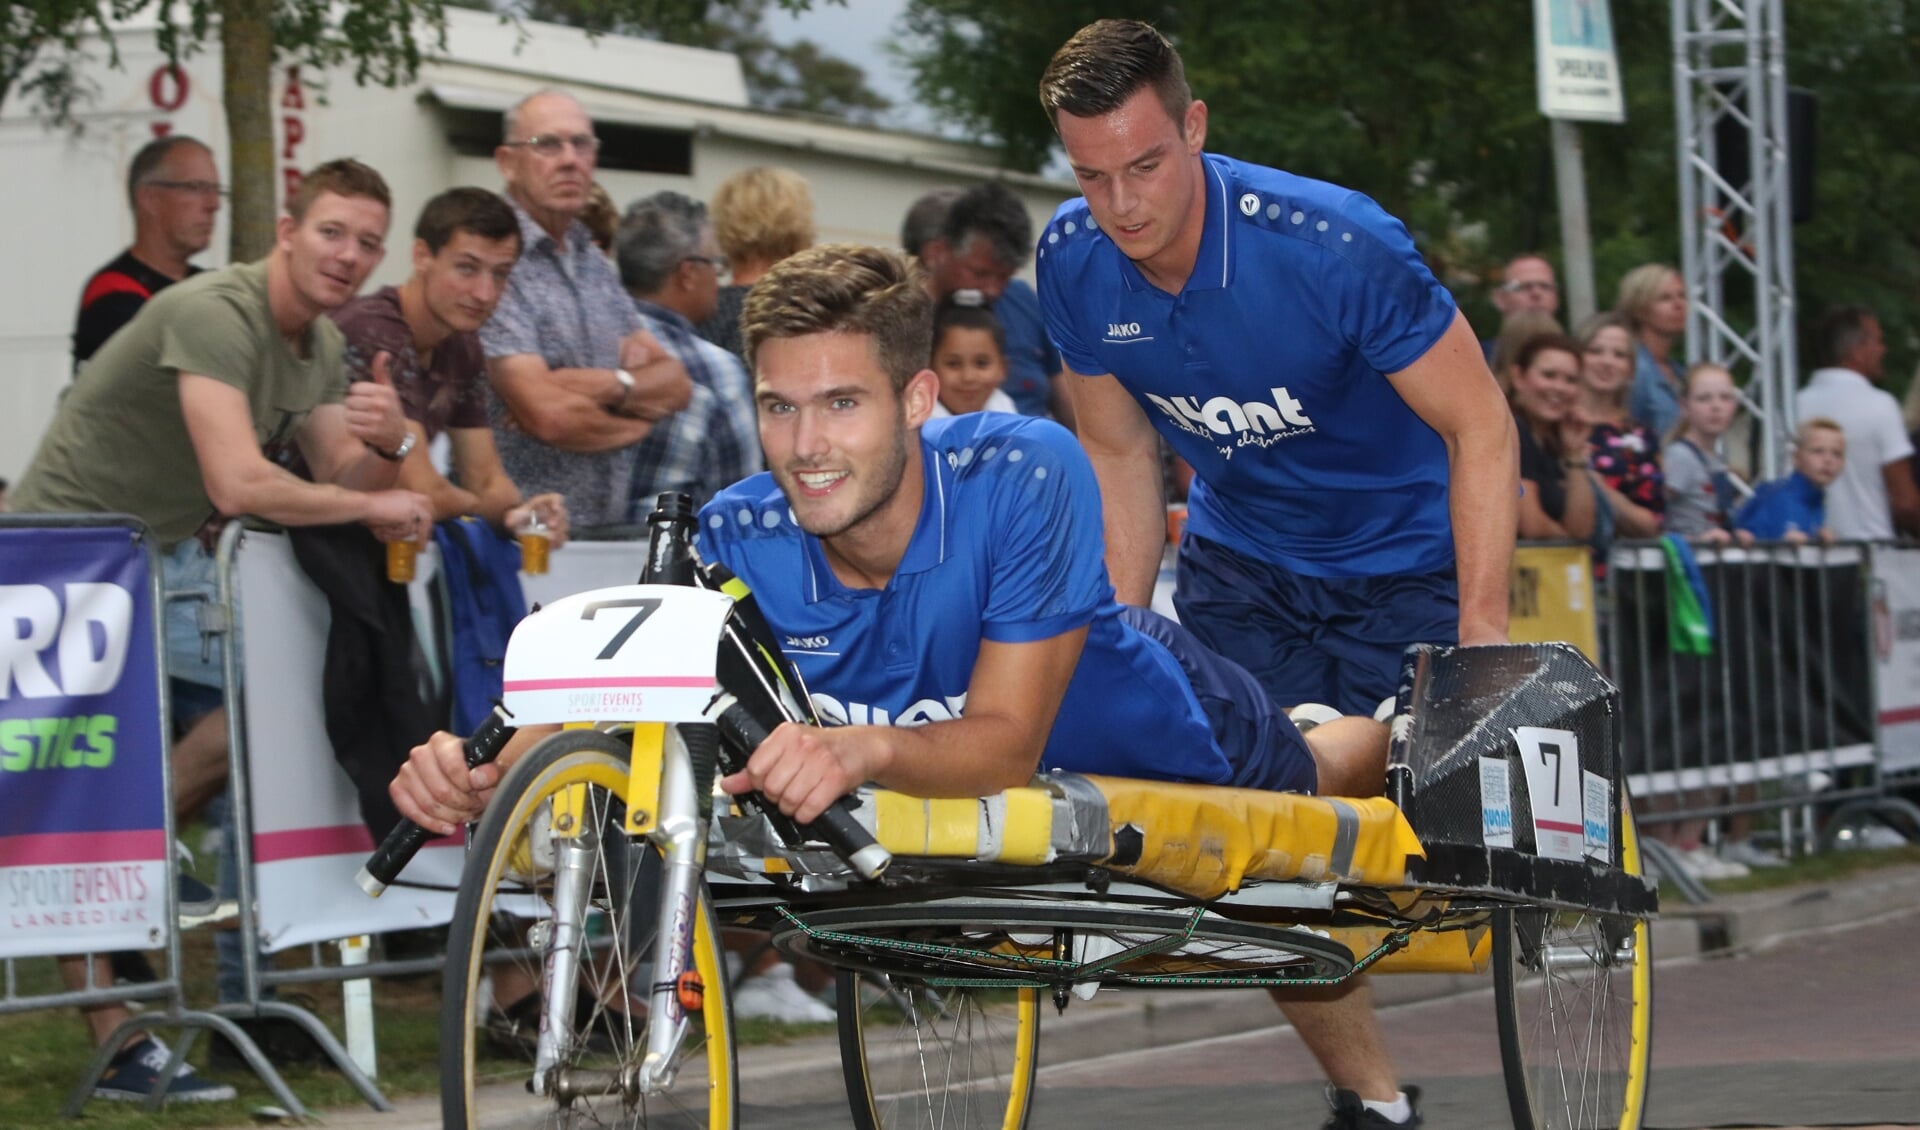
x,y
580,566
308,839
1896,655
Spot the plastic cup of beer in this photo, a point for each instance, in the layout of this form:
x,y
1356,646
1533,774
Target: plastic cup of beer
x,y
400,563
535,542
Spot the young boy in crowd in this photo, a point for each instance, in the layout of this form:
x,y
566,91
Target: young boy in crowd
x,y
970,355
1794,508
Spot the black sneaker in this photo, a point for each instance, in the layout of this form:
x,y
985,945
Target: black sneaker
x,y
134,1073
1349,1113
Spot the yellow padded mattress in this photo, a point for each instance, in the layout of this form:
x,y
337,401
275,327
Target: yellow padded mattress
x,y
1201,840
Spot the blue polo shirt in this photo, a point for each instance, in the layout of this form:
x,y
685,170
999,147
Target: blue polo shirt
x,y
1007,548
1266,371
1794,504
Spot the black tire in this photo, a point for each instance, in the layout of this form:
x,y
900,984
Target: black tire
x,y
507,881
1013,943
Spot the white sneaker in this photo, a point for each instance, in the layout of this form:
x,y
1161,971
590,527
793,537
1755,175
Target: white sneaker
x,y
1701,863
775,995
1749,854
1868,837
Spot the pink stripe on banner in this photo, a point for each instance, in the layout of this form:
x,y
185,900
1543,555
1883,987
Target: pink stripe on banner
x,y
309,843
53,848
694,682
1895,717
1559,826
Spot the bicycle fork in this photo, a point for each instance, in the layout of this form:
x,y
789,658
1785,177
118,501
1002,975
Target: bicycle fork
x,y
680,835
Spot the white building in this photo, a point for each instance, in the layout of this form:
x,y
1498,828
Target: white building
x,y
669,117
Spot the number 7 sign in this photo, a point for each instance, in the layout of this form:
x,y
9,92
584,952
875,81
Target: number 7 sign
x,y
1552,761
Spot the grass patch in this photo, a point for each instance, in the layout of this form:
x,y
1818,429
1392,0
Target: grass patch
x,y
1823,868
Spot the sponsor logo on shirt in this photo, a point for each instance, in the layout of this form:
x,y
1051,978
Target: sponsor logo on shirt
x,y
806,643
1124,333
944,709
1252,423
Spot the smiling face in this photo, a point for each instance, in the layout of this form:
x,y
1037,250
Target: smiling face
x,y
970,367
1544,391
838,439
1820,455
1143,179
332,249
1607,364
462,284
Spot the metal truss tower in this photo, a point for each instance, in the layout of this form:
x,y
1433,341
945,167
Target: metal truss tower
x,y
1730,83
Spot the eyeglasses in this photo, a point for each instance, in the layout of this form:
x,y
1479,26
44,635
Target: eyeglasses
x,y
1524,286
197,187
717,262
553,144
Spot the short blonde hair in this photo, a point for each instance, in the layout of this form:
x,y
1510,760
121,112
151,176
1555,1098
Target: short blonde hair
x,y
763,214
1638,289
1814,424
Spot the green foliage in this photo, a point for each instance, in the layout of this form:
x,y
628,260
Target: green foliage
x,y
1431,109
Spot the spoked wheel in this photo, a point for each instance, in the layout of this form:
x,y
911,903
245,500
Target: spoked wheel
x,y
917,1057
1016,943
1574,994
560,808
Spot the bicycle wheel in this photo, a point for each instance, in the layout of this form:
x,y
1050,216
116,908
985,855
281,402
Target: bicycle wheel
x,y
1574,994
1009,943
503,940
918,1057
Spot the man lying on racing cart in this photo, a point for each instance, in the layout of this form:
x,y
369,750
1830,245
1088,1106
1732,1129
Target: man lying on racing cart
x,y
943,580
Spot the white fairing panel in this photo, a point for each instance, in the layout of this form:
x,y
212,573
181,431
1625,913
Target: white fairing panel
x,y
633,653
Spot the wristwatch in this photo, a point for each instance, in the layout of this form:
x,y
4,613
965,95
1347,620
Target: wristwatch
x,y
399,453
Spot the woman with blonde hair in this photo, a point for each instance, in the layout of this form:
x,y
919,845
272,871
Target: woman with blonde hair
x,y
1653,300
760,216
1624,453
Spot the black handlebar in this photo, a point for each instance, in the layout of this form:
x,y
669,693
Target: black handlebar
x,y
837,827
406,838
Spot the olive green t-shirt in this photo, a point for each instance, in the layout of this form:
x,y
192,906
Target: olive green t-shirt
x,y
119,442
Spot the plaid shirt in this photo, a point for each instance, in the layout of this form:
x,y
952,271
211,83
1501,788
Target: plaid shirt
x,y
701,448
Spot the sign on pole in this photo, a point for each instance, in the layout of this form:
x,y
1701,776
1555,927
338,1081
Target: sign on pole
x,y
1579,73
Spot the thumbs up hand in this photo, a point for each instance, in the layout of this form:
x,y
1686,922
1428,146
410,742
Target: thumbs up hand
x,y
373,408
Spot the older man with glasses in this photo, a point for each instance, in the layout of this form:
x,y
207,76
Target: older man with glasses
x,y
577,381
1527,283
175,193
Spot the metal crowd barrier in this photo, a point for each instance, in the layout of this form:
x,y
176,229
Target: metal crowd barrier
x,y
298,833
1785,712
87,838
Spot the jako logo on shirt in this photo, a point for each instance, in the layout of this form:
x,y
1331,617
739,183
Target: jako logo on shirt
x,y
919,714
1120,331
1253,423
806,643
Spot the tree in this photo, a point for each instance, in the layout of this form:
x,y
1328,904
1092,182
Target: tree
x,y
380,39
797,76
1430,108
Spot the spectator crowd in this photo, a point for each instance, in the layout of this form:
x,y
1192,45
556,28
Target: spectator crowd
x,y
554,361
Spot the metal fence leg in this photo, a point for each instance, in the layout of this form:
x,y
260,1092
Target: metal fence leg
x,y
1666,861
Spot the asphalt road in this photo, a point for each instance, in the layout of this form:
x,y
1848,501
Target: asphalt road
x,y
1818,1030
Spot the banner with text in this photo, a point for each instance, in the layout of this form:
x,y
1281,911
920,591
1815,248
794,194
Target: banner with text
x,y
84,858
1896,655
1579,75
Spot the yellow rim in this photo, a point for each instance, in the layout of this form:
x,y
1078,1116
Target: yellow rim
x,y
1638,1055
1024,1045
569,777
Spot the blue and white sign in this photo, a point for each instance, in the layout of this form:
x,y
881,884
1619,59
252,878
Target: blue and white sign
x,y
1579,73
1496,803
84,858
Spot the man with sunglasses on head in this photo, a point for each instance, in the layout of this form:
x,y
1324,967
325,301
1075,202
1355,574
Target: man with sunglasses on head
x,y
174,190
577,382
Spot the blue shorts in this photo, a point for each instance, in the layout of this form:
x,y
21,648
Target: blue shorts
x,y
1331,640
1264,747
191,582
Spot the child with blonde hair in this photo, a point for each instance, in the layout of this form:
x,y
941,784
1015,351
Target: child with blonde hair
x,y
1702,493
1794,508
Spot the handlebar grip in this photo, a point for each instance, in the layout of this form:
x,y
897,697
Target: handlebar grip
x,y
406,838
837,827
